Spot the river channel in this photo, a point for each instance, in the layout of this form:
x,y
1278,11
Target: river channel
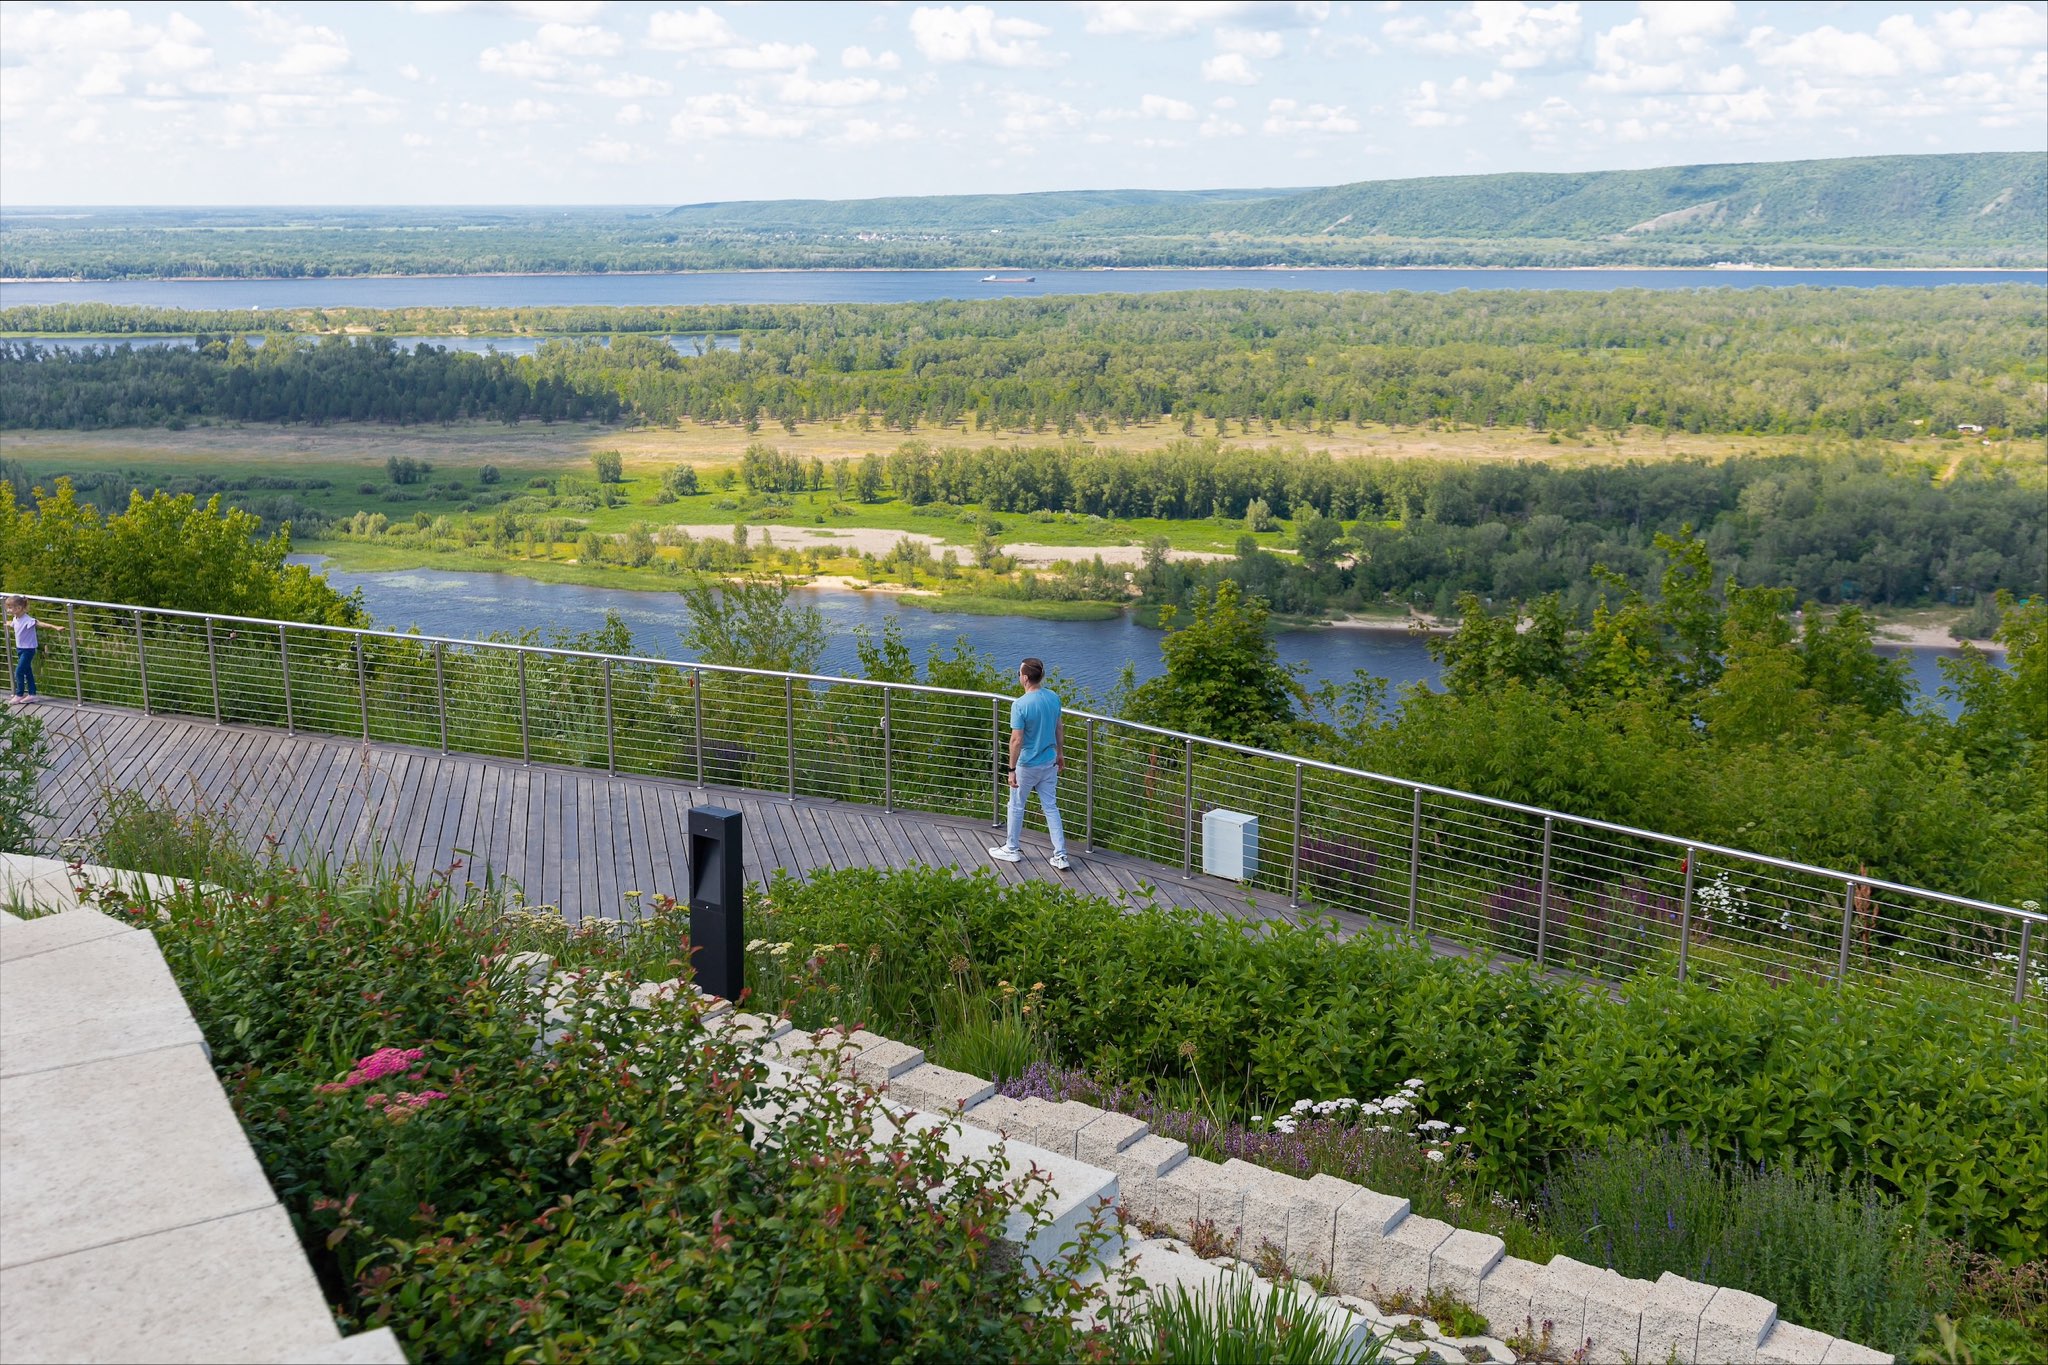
x,y
1091,654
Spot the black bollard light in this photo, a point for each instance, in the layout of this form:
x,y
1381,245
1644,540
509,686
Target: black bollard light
x,y
718,938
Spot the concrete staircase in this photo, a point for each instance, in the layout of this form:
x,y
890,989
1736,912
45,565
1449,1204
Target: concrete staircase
x,y
135,1221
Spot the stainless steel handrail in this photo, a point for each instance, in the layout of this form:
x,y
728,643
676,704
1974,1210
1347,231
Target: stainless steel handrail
x,y
1690,849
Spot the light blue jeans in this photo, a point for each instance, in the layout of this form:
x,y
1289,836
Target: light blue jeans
x,y
1045,780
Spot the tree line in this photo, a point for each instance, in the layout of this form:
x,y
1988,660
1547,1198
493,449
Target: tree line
x,y
1869,362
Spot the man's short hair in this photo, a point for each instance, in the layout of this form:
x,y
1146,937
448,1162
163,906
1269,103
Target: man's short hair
x,y
1034,671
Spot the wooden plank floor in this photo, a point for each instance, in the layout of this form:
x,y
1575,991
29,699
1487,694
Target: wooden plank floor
x,y
568,837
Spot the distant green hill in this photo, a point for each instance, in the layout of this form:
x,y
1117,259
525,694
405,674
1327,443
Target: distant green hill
x,y
1988,198
957,212
1996,200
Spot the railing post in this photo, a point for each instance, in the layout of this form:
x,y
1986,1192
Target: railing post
x,y
888,751
1187,814
1848,922
697,719
2019,979
1692,858
525,736
995,759
611,743
77,671
142,662
363,684
1294,865
213,670
1543,897
441,691
1414,856
284,668
789,731
1088,805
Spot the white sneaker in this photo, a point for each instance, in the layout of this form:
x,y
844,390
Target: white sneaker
x,y
1008,855
1059,860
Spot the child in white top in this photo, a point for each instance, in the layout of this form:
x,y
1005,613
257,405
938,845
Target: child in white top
x,y
24,627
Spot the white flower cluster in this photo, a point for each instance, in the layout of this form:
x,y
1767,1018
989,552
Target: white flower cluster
x,y
1721,900
1347,1110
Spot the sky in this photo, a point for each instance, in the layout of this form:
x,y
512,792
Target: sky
x,y
469,102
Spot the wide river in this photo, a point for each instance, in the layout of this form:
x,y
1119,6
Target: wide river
x,y
1091,653
908,286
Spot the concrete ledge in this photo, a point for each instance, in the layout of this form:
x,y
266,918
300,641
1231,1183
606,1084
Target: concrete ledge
x,y
135,1221
1463,1262
1734,1325
1790,1344
1363,1223
1406,1253
366,1348
1507,1295
103,996
1614,1317
147,1297
939,1090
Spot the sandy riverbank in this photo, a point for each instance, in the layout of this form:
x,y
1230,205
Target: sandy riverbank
x,y
1929,637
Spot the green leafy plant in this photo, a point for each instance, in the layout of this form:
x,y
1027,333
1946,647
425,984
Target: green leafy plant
x,y
1241,1321
153,833
23,752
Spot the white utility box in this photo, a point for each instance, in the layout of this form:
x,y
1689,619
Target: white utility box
x,y
1230,845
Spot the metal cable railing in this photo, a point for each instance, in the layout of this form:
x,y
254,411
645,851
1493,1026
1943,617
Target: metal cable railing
x,y
1584,896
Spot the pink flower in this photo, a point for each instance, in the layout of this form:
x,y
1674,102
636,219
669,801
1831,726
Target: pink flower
x,y
385,1061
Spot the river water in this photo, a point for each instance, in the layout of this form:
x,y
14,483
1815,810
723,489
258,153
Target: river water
x,y
1090,653
905,286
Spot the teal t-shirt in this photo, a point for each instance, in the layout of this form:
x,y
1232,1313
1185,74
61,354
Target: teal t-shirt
x,y
1037,714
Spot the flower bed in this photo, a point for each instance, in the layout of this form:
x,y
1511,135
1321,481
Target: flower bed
x,y
491,1199
1201,1018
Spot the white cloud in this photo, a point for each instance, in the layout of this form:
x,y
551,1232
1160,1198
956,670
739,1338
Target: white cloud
x,y
974,33
766,57
415,140
1162,106
1660,50
1026,115
1217,126
609,151
839,94
539,11
556,52
630,85
705,117
694,30
1263,44
860,59
1230,68
411,72
1285,116
1507,32
861,132
1425,108
1176,18
630,115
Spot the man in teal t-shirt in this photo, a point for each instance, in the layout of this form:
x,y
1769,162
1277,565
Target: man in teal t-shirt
x,y
1035,764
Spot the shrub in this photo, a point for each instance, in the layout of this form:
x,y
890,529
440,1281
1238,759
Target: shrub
x,y
490,1200
145,833
1866,1084
23,752
1836,1257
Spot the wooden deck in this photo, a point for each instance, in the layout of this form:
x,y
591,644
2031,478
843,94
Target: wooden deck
x,y
567,837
